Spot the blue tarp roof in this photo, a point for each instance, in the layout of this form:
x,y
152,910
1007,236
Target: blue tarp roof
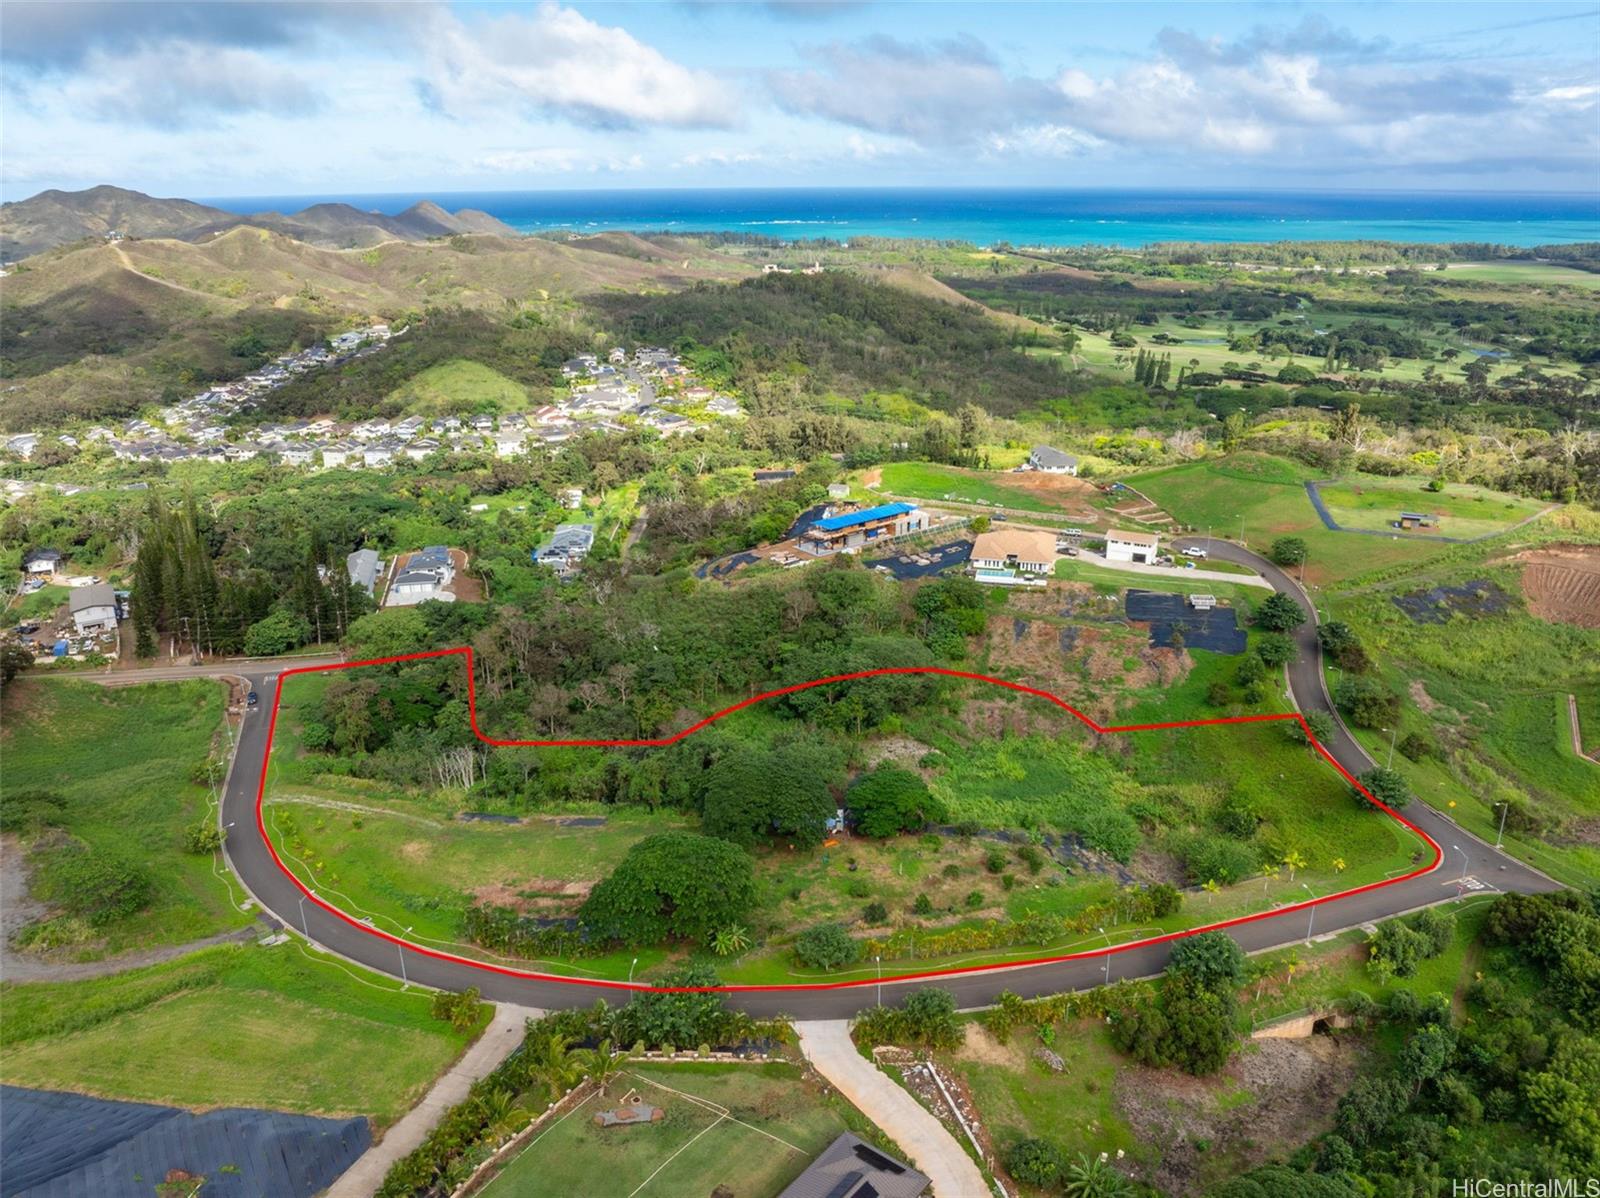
x,y
851,519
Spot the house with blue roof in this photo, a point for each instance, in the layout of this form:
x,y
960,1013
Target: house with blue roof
x,y
851,531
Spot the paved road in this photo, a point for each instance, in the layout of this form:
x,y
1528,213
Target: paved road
x,y
926,1141
250,858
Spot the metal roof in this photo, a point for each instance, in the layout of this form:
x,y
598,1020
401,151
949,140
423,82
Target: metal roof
x,y
850,519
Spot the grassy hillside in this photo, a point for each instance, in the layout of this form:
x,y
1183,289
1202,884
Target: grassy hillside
x,y
459,386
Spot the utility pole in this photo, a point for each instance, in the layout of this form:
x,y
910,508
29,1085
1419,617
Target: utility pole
x,y
1500,836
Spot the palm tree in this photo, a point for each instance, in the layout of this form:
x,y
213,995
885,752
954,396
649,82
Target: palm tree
x,y
505,1118
553,1064
1268,872
730,941
1293,861
601,1065
1093,1177
1211,886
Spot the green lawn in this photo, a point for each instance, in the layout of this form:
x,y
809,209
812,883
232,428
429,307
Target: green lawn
x,y
37,606
1537,274
1265,496
1490,690
278,1027
122,760
460,386
751,1128
1111,580
1461,511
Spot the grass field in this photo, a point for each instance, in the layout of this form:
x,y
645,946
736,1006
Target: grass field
x,y
751,1128
1490,690
460,386
37,606
1265,497
1537,274
276,1027
1462,511
122,761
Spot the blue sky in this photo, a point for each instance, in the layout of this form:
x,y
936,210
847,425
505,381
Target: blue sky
x,y
218,99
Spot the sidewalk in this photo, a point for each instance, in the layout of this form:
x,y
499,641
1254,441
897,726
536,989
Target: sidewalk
x,y
932,1149
502,1035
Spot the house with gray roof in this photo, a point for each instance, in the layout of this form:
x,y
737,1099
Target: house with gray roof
x,y
852,1168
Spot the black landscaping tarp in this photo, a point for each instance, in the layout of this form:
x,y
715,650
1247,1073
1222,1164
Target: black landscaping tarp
x,y
940,558
71,1146
1217,630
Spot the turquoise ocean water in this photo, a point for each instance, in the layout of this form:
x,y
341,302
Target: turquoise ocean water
x,y
1023,217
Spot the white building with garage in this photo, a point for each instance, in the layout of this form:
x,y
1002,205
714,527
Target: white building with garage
x,y
1139,547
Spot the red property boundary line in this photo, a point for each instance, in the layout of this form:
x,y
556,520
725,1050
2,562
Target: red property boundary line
x,y
660,742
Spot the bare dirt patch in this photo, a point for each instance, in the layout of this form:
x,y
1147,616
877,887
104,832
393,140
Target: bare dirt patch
x,y
1562,584
415,850
981,1046
1421,697
1273,1096
897,750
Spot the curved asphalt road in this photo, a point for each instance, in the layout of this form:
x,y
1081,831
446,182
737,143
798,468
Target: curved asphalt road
x,y
1465,857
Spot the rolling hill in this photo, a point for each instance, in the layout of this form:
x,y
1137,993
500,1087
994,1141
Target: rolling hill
x,y
54,218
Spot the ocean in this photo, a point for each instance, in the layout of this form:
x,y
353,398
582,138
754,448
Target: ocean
x,y
1020,217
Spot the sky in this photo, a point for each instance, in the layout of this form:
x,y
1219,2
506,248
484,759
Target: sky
x,y
238,99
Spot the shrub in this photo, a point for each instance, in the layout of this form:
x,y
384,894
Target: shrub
x,y
858,888
875,913
93,885
1035,1163
1031,856
1219,694
1387,786
923,905
460,1011
974,900
826,946
1217,858
1279,613
1164,899
994,861
891,800
30,810
1290,551
1277,650
203,837
1321,724
1414,746
1368,703
277,633
1395,950
1213,959
1436,928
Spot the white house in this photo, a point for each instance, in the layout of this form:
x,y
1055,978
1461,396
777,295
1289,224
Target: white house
x,y
1029,550
363,567
1052,461
93,608
1131,546
43,561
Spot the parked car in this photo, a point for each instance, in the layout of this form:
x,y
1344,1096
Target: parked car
x,y
252,699
1194,551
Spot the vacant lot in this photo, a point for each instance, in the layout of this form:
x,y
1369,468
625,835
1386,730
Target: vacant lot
x,y
1027,492
277,1027
123,760
460,386
1459,511
750,1128
1265,497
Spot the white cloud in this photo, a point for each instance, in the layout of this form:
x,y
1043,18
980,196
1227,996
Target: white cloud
x,y
556,160
184,86
556,60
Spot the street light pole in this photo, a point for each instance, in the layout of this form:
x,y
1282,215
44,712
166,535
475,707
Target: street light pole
x,y
1500,836
879,959
1311,921
304,927
630,969
1107,969
1393,732
1463,852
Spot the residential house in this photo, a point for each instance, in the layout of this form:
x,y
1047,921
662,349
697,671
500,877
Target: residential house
x,y
850,531
1131,546
295,454
1052,461
1013,557
93,608
44,561
566,549
364,567
379,455
509,442
852,1168
421,448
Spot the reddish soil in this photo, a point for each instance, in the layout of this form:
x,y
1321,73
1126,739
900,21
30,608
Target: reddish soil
x,y
1562,584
